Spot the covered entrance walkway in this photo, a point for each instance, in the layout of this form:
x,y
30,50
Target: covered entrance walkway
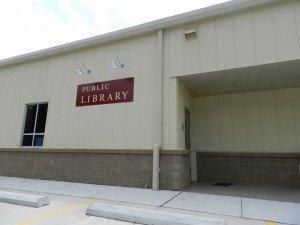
x,y
245,125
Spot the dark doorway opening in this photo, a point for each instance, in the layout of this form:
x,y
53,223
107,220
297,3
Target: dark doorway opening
x,y
187,129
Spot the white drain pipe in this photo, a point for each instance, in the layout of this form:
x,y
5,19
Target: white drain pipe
x,y
159,111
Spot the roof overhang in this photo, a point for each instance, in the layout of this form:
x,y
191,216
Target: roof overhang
x,y
264,77
142,29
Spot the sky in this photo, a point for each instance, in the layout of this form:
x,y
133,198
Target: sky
x,y
31,25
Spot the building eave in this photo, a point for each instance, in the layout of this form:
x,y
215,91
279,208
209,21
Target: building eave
x,y
142,29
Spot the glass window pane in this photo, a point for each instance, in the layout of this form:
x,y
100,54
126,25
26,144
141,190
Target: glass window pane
x,y
38,140
30,118
27,140
41,118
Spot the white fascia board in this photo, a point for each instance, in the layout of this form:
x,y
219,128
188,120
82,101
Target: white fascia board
x,y
165,23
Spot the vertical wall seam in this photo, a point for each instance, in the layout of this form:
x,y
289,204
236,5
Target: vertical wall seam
x,y
218,120
234,40
294,116
277,123
158,90
246,121
205,121
199,47
297,23
155,96
232,130
140,93
78,117
274,31
102,114
126,111
167,77
217,52
105,71
274,75
182,58
253,36
260,83
231,125
183,50
261,123
92,54
218,117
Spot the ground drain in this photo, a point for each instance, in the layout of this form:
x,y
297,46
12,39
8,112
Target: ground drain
x,y
220,184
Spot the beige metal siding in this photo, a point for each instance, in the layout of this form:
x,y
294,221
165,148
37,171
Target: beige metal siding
x,y
117,126
175,98
245,38
207,46
262,35
264,121
169,100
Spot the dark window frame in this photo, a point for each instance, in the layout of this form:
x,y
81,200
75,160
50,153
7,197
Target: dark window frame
x,y
33,134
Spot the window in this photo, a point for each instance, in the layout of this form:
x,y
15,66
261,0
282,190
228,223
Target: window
x,y
34,127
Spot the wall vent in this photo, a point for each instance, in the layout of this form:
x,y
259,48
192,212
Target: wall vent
x,y
190,34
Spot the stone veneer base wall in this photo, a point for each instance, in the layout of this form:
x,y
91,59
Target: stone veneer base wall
x,y
276,169
130,168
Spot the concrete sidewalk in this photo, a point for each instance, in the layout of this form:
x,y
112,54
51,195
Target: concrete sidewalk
x,y
229,208
121,194
68,210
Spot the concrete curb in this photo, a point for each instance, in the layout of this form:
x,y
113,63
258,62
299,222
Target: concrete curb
x,y
147,216
24,199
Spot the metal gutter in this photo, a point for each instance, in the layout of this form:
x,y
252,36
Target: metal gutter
x,y
161,24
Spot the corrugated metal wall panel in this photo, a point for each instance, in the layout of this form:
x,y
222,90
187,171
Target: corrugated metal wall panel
x,y
264,121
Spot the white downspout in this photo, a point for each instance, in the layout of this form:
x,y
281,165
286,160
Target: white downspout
x,y
159,111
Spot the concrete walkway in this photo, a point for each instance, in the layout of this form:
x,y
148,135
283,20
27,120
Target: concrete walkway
x,y
121,194
227,207
282,194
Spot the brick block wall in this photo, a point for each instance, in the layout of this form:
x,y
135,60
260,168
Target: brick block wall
x,y
131,169
249,168
175,172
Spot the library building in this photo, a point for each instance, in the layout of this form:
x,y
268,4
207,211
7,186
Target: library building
x,y
208,96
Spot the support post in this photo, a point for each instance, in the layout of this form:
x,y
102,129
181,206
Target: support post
x,y
193,157
156,168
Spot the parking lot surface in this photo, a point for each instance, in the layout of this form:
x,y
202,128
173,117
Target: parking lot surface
x,y
63,210
69,201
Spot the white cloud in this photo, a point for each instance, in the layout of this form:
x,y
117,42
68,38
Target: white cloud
x,y
30,25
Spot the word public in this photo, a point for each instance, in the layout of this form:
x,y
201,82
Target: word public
x,y
106,92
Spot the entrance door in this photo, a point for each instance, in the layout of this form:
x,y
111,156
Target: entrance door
x,y
187,129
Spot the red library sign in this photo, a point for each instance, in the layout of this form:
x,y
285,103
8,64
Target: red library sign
x,y
106,92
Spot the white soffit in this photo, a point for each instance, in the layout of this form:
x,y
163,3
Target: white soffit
x,y
255,78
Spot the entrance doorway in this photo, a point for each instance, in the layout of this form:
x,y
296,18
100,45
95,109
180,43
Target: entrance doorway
x,y
187,129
